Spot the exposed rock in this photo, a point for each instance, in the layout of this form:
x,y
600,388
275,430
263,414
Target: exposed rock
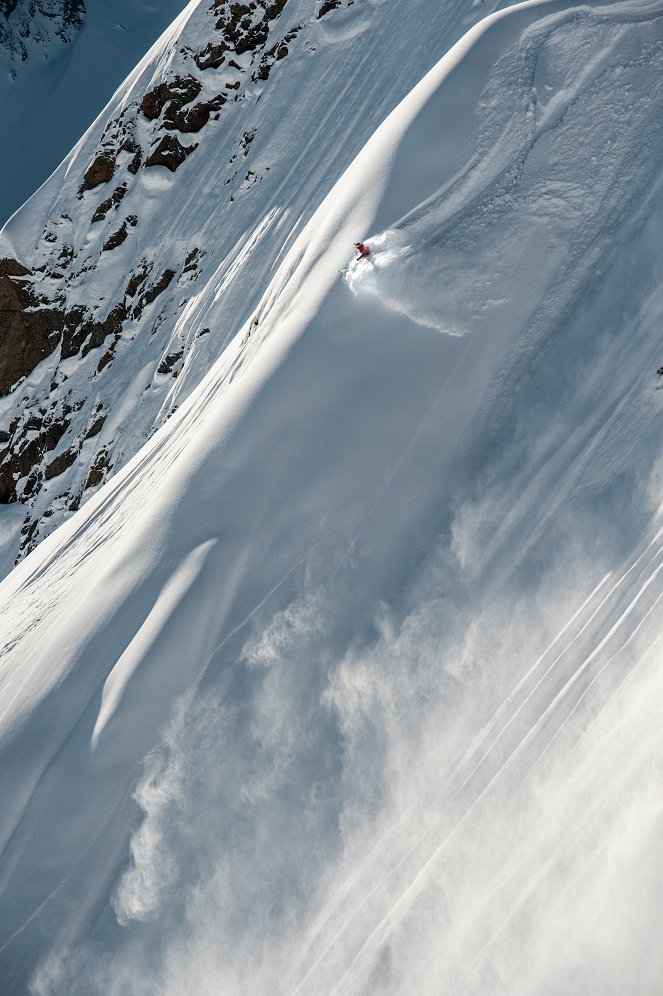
x,y
90,333
61,463
116,239
327,6
110,202
100,170
96,427
97,470
191,261
211,57
275,8
169,361
27,531
136,280
246,140
95,333
22,23
12,268
33,484
152,293
174,94
240,31
277,52
129,145
196,117
27,450
170,153
28,331
105,359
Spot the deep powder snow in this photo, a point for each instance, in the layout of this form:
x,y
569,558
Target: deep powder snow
x,y
349,681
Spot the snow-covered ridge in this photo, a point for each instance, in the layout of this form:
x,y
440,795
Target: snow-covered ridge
x,y
351,676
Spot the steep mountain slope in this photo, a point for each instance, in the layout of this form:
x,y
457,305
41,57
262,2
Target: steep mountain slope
x,y
348,681
59,65
216,151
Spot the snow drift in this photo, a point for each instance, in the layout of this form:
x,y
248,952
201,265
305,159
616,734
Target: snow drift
x,y
348,681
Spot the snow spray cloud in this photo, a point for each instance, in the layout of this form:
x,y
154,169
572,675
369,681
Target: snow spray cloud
x,y
455,803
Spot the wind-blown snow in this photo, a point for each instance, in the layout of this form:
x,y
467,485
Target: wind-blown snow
x,y
370,630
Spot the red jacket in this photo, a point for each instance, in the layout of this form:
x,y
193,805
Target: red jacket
x,y
362,250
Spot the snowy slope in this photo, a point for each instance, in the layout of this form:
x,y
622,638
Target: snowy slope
x,y
125,275
348,682
59,65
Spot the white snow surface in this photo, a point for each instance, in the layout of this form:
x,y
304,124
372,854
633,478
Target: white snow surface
x,y
349,681
260,170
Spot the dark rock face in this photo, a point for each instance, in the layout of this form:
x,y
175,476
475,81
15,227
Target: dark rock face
x,y
173,95
327,6
89,335
211,57
196,117
98,470
169,153
159,287
28,331
22,456
100,170
171,99
118,237
243,31
109,203
169,361
61,462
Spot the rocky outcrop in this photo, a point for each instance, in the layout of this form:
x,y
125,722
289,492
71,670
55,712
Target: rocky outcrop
x,y
169,152
172,100
211,57
171,97
100,170
327,6
110,202
169,361
153,292
98,470
24,452
29,330
61,463
119,236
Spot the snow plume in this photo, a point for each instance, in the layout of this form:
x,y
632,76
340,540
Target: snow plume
x,y
399,816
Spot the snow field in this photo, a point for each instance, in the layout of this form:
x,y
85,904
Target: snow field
x,y
376,614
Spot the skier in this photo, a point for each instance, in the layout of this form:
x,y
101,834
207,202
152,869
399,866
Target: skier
x,y
363,250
